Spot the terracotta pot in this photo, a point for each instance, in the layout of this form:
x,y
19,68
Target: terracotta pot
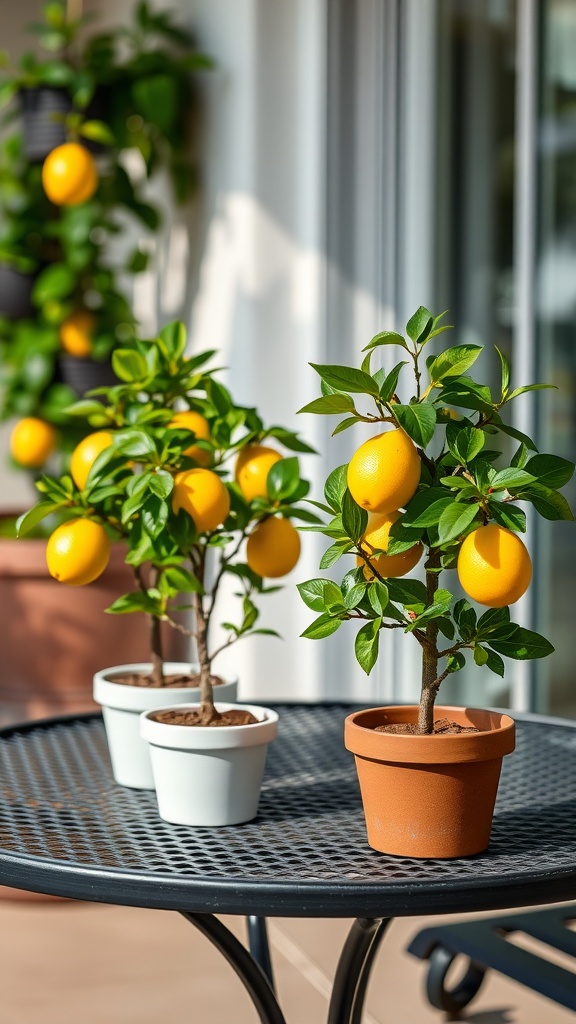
x,y
429,796
54,638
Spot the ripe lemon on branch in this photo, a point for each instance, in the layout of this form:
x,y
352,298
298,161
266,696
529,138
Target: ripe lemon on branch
x,y
32,441
494,567
76,334
252,467
384,472
273,548
69,175
85,454
189,419
78,552
201,494
377,538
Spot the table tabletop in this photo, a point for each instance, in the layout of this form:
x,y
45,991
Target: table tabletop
x,y
66,828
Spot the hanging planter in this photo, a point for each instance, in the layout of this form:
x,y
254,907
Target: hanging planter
x,y
43,111
83,374
204,775
15,293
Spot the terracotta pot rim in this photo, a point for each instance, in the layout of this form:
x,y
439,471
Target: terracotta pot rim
x,y
496,740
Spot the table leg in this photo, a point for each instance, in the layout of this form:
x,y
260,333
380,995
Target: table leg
x,y
259,946
250,973
353,971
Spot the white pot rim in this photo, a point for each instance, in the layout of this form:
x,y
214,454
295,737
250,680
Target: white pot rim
x,y
185,737
143,698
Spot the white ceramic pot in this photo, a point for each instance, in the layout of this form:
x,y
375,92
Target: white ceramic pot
x,y
211,775
122,706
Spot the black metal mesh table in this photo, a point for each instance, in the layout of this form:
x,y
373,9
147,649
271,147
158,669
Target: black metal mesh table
x,y
66,828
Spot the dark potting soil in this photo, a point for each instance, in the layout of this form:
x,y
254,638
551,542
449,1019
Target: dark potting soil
x,y
175,717
442,727
135,679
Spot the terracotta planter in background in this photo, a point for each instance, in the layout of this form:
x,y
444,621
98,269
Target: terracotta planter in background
x,y
54,638
429,796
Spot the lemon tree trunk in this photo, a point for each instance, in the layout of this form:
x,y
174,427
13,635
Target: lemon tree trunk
x,y
430,680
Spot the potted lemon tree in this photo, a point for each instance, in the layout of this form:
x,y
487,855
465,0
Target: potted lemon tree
x,y
179,472
432,488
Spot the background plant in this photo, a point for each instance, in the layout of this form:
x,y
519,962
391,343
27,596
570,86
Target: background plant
x,y
131,88
132,485
457,426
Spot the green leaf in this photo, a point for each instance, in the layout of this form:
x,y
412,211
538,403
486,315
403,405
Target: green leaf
x,y
455,520
465,393
528,387
134,443
522,645
455,662
97,131
505,371
283,479
57,281
318,594
439,607
407,592
388,387
33,516
465,618
465,443
431,515
347,378
494,663
334,552
419,421
129,365
183,581
453,362
355,595
495,619
161,483
378,596
550,470
549,503
154,516
480,655
350,421
509,516
520,458
366,644
330,405
505,428
335,487
354,518
386,338
323,626
508,478
420,324
173,340
136,602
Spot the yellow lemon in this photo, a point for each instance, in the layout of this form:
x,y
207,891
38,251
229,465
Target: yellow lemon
x,y
384,472
32,441
85,454
188,419
78,552
494,567
201,494
252,467
69,175
273,548
76,334
376,538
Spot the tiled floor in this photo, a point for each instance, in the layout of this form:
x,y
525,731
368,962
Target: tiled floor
x,y
67,963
